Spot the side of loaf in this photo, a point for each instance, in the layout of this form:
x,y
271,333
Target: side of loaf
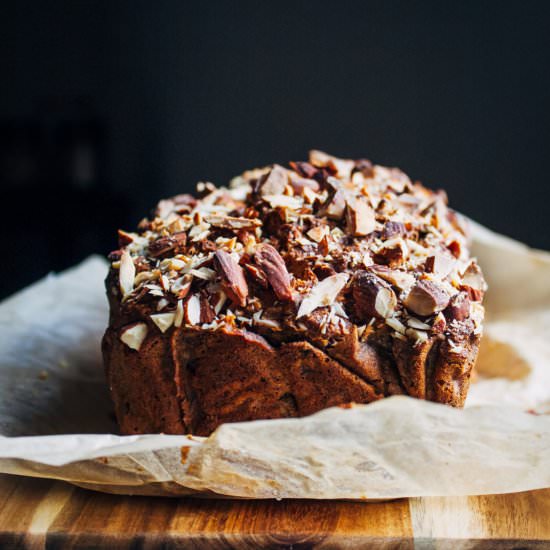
x,y
328,282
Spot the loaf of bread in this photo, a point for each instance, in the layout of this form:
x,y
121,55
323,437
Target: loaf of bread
x,y
328,282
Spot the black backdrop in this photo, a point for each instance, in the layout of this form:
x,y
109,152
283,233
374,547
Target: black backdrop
x,y
108,106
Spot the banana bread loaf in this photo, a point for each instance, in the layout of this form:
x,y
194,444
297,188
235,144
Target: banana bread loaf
x,y
295,289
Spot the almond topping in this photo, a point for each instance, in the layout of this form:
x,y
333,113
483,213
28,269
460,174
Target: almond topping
x,y
134,335
163,320
323,293
193,310
473,282
342,167
221,298
317,233
360,220
274,182
180,287
299,184
413,322
397,325
459,307
439,324
392,252
178,318
440,264
125,238
167,245
271,263
232,277
207,311
126,273
385,302
335,205
365,167
372,297
392,229
426,298
257,274
204,273
283,201
400,279
230,222
418,336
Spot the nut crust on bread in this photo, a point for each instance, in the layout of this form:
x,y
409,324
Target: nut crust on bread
x,y
330,282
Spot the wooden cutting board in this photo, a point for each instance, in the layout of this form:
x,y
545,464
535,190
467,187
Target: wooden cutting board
x,y
37,513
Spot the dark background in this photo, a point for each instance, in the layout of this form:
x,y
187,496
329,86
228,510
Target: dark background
x,y
108,106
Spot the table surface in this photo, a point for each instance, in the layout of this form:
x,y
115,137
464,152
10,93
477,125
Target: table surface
x,y
37,513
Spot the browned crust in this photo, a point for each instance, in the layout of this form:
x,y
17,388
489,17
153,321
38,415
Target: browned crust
x,y
142,385
196,380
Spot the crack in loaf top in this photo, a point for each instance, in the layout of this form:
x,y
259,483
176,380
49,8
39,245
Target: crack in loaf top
x,y
341,243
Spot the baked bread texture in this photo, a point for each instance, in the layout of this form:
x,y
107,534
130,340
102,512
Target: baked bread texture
x,y
294,289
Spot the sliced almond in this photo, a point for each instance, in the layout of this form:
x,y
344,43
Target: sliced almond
x,y
192,310
127,273
360,220
161,304
230,222
204,273
283,201
440,264
270,262
143,276
176,264
400,279
317,233
220,301
163,320
180,287
396,324
338,309
268,323
199,232
164,282
134,335
232,277
417,335
426,298
413,322
323,293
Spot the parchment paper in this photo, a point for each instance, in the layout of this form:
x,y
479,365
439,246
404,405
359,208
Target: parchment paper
x,y
52,386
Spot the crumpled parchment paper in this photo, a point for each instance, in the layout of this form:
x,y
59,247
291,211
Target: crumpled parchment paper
x,y
52,387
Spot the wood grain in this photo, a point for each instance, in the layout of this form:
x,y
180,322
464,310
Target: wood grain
x,y
459,522
37,513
